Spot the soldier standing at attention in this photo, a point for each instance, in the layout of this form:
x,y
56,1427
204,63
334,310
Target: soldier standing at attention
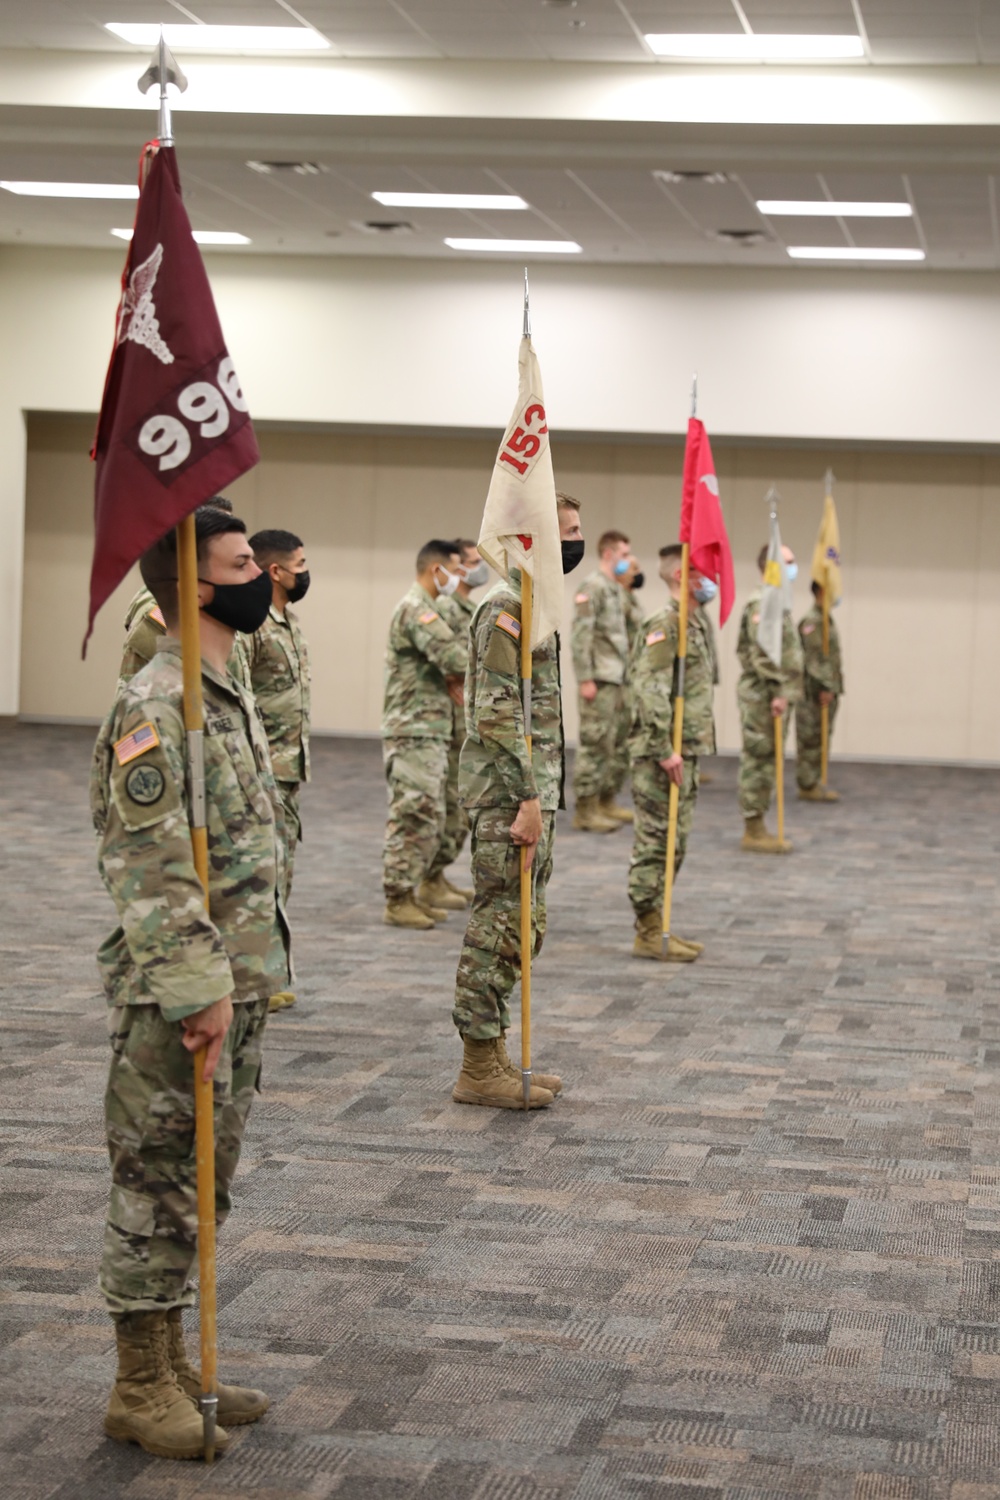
x,y
823,683
179,978
600,643
280,679
765,691
425,662
654,764
512,800
456,610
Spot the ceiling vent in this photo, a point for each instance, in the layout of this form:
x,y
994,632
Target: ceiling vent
x,y
384,226
297,168
745,238
703,179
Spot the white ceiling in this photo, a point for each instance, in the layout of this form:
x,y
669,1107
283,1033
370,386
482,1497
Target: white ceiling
x,y
595,184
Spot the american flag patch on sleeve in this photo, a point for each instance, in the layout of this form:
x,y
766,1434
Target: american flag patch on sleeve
x,y
508,623
137,743
427,616
655,636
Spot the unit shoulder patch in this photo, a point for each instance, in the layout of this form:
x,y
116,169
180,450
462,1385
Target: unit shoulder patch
x,y
145,784
505,621
137,743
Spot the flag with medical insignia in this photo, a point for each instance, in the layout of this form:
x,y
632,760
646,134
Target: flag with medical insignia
x,y
520,524
174,426
826,553
775,598
702,523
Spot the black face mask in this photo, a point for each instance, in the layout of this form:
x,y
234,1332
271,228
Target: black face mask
x,y
241,606
638,580
300,587
572,555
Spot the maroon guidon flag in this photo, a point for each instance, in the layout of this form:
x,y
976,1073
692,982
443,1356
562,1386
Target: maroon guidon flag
x,y
174,427
702,525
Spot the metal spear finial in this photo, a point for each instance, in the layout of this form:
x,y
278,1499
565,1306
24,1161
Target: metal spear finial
x,y
773,500
527,307
694,395
163,69
829,479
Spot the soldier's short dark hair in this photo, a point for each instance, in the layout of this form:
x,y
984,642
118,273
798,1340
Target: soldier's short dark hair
x,y
158,564
762,556
221,502
436,551
817,589
566,502
463,544
611,539
672,549
271,546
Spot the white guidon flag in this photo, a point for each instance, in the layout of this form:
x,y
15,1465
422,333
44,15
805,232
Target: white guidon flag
x,y
775,598
520,525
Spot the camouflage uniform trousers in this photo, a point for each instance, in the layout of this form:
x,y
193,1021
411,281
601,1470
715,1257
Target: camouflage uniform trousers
x,y
456,819
417,772
651,794
490,961
757,761
809,741
602,759
151,1234
288,791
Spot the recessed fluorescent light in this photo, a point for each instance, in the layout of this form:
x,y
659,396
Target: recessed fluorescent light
x,y
850,252
72,189
220,38
201,236
449,200
820,208
527,247
741,46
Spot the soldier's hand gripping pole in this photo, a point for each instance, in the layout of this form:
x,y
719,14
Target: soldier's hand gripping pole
x,y
194,723
677,742
526,904
779,772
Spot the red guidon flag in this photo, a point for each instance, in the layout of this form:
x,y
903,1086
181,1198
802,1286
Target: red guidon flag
x,y
174,426
701,517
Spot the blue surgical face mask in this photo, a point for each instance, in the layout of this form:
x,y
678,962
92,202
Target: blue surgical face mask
x,y
621,567
791,571
706,591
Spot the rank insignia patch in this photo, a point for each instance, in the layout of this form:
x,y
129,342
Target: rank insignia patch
x,y
508,623
137,743
144,784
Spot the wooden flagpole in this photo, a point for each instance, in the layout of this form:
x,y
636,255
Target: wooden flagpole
x,y
779,773
824,708
526,892
164,71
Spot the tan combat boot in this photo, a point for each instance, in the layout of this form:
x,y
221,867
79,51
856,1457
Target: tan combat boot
x,y
238,1404
590,819
818,794
649,942
483,1081
438,894
609,809
147,1404
550,1081
281,1000
757,840
406,913
459,890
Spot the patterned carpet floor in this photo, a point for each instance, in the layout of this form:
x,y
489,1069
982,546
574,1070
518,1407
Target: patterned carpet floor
x,y
753,1253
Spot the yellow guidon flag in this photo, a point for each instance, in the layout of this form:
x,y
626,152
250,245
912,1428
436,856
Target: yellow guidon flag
x,y
826,553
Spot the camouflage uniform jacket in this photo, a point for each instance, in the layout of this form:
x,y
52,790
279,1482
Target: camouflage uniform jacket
x,y
145,627
168,951
457,611
633,620
654,687
760,673
822,673
495,770
422,651
279,674
600,634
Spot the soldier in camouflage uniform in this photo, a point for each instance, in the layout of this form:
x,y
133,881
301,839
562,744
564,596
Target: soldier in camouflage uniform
x,y
178,978
512,800
425,663
765,691
600,644
823,683
456,610
280,678
654,764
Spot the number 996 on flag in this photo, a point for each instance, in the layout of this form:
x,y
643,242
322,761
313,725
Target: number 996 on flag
x,y
194,419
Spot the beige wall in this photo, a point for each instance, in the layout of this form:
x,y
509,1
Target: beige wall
x,y
920,534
